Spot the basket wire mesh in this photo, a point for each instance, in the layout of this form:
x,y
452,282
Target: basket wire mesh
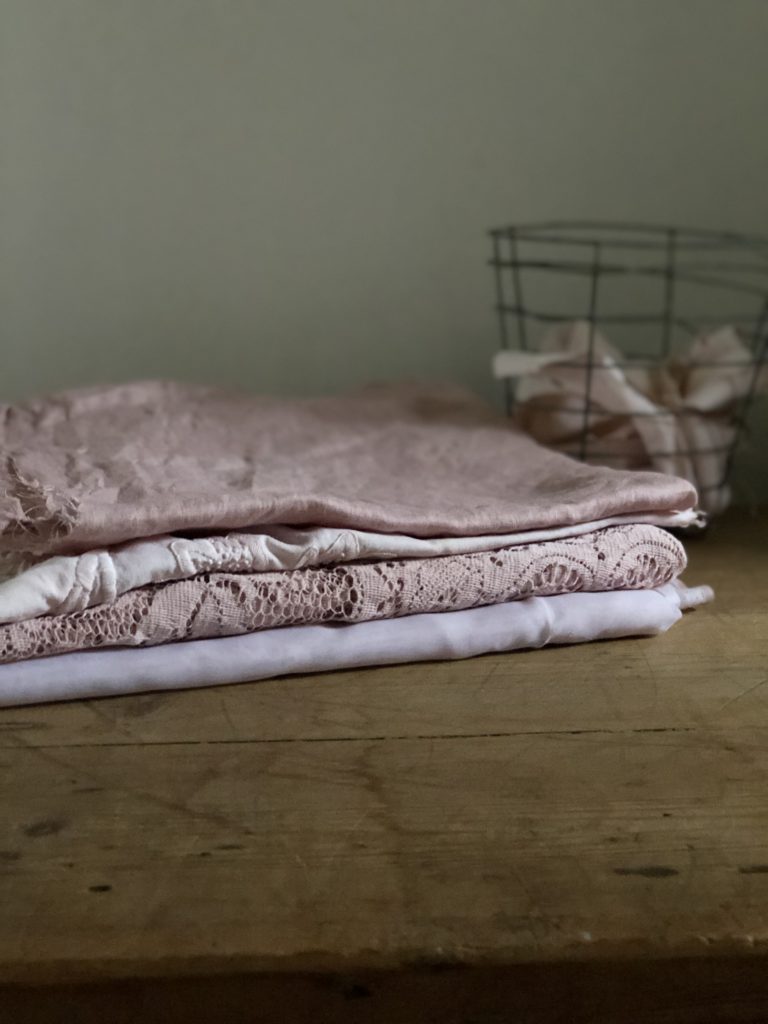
x,y
649,287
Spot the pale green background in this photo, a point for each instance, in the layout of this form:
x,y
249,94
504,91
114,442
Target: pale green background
x,y
291,194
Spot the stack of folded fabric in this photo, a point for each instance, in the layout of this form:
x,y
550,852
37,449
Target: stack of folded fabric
x,y
158,535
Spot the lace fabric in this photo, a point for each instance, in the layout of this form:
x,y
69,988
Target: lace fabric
x,y
65,584
535,622
223,604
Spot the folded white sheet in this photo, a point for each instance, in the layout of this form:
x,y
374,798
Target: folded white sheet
x,y
72,583
535,622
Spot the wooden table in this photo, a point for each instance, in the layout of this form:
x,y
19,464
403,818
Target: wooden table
x,y
576,834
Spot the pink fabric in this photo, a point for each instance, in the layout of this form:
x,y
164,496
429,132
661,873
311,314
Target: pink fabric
x,y
104,465
225,604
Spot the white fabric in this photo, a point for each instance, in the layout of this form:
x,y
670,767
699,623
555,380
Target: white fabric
x,y
534,622
65,584
675,417
518,362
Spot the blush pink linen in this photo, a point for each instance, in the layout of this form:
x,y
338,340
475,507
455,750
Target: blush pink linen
x,y
225,604
105,465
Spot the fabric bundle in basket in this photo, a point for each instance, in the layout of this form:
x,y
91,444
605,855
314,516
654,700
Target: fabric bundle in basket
x,y
577,394
161,535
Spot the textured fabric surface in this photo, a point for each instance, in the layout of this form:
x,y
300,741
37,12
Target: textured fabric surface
x,y
101,466
533,622
221,604
71,583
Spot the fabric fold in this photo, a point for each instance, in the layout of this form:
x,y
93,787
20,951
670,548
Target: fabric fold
x,y
71,583
221,604
101,466
529,623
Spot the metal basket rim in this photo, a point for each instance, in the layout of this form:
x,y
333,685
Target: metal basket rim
x,y
539,231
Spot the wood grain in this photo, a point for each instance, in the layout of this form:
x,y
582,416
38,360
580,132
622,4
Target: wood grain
x,y
689,991
597,807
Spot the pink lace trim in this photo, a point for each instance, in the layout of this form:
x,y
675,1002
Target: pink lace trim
x,y
223,604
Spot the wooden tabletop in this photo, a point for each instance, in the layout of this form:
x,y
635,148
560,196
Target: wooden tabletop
x,y
527,836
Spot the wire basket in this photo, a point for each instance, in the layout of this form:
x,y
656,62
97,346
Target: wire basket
x,y
666,313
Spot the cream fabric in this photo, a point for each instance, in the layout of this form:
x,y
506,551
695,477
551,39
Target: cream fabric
x,y
71,583
676,418
626,557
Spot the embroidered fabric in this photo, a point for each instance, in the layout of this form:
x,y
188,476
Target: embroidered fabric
x,y
65,584
533,622
101,466
224,604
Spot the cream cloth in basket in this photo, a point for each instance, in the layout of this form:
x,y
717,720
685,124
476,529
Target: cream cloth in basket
x,y
676,418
